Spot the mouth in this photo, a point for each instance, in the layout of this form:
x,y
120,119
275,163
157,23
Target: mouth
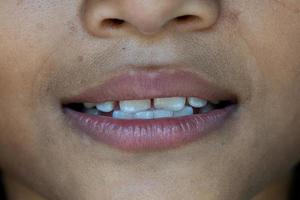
x,y
149,111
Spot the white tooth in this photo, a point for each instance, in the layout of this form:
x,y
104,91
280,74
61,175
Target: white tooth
x,y
122,115
186,111
207,109
144,115
133,106
92,111
173,103
89,105
196,102
162,113
107,106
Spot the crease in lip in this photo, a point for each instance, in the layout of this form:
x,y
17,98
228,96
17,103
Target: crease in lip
x,y
148,85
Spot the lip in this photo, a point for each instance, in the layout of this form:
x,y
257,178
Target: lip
x,y
153,134
146,84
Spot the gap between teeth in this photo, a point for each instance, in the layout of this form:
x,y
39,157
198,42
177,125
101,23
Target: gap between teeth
x,y
150,108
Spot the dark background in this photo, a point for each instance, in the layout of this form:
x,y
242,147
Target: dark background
x,y
2,194
295,186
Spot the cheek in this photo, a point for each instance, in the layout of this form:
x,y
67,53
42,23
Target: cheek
x,y
13,121
271,35
292,5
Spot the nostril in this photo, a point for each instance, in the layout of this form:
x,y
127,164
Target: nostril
x,y
109,19
187,19
112,23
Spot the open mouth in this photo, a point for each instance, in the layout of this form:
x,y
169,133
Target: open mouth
x,y
169,107
144,111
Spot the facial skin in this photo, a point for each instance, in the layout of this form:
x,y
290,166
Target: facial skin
x,y
55,49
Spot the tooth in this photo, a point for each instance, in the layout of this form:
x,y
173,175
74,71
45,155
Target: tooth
x,y
144,115
106,106
173,103
186,111
196,102
162,113
133,106
207,109
122,115
92,111
89,105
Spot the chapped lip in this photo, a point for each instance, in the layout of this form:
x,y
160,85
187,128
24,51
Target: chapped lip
x,y
153,134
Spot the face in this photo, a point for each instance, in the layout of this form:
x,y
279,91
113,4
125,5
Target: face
x,y
52,51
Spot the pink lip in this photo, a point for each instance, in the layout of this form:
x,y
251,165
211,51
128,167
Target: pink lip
x,y
155,134
147,84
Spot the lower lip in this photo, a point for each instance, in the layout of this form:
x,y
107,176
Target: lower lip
x,y
148,135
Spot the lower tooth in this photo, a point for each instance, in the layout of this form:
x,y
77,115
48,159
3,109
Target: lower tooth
x,y
122,115
207,109
144,115
186,111
162,113
92,111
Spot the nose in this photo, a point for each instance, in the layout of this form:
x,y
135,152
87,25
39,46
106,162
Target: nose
x,y
109,18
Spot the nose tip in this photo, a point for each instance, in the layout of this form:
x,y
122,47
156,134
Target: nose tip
x,y
147,17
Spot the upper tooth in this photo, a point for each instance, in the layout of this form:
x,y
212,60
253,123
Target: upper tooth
x,y
89,105
144,115
122,115
196,102
173,103
162,113
133,106
186,111
106,106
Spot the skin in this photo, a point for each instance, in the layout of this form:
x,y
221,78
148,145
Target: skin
x,y
54,49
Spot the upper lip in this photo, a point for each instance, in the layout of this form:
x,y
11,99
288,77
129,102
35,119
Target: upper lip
x,y
148,84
